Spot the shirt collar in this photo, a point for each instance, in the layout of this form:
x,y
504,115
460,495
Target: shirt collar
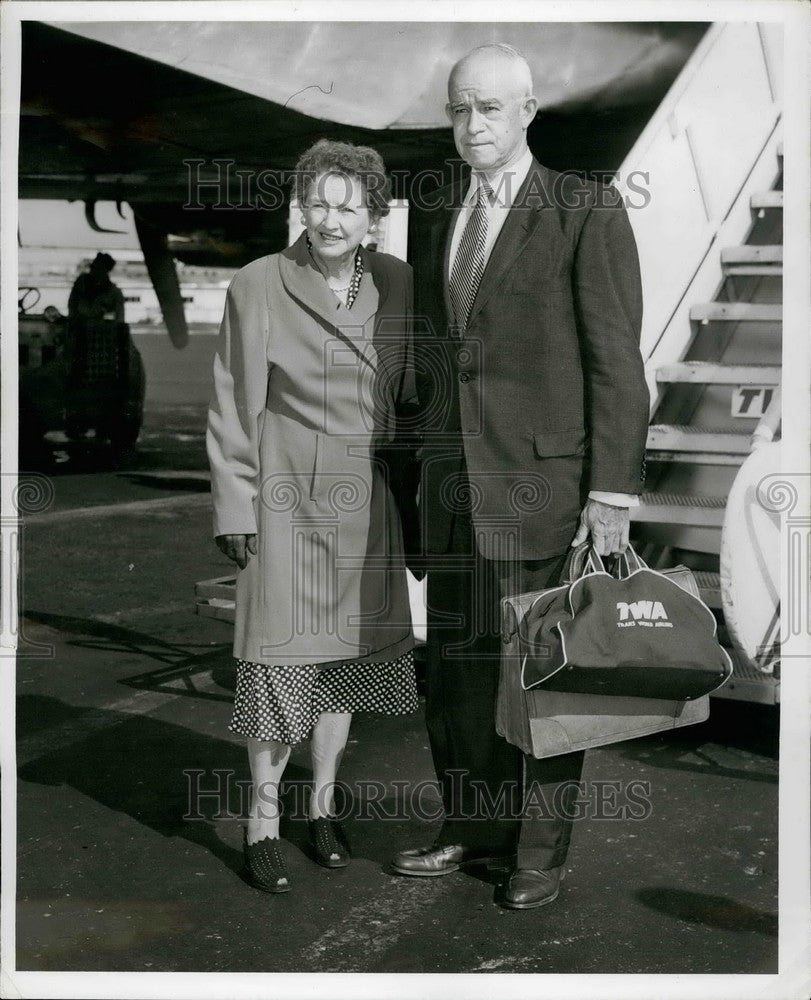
x,y
504,184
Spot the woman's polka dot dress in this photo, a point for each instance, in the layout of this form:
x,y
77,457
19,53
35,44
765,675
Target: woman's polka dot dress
x,y
283,702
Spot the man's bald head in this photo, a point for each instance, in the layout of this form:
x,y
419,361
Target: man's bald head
x,y
501,63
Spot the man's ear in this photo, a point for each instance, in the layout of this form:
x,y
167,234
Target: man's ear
x,y
449,113
529,108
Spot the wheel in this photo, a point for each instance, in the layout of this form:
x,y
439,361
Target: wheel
x,y
125,426
124,432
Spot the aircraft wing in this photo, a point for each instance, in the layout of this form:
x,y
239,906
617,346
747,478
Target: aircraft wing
x,y
137,111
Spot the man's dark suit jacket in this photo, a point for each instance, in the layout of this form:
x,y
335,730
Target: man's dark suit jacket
x,y
546,388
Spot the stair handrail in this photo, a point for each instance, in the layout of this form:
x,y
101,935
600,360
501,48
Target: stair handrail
x,y
769,424
692,179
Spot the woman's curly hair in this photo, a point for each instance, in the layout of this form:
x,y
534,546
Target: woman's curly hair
x,y
366,164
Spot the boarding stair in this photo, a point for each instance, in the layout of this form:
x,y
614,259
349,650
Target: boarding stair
x,y
711,253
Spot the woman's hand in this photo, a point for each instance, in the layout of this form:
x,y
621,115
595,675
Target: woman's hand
x,y
237,547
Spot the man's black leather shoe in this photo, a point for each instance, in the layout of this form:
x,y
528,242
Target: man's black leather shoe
x,y
443,859
530,887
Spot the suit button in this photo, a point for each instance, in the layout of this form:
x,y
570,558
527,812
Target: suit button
x,y
464,377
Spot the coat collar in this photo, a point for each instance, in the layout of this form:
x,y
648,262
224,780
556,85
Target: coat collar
x,y
305,283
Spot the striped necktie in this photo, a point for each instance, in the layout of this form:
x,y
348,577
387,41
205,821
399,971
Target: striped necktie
x,y
468,264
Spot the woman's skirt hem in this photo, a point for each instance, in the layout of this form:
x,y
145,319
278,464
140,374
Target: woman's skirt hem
x,y
283,703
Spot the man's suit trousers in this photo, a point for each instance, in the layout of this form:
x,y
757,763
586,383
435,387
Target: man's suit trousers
x,y
487,784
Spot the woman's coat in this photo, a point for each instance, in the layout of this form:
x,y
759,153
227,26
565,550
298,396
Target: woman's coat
x,y
306,397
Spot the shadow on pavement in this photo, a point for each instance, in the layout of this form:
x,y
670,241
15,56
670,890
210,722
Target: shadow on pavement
x,y
147,769
711,911
172,484
738,740
112,638
744,726
193,676
181,783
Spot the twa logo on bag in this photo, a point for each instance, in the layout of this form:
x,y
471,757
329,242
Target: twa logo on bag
x,y
634,632
647,613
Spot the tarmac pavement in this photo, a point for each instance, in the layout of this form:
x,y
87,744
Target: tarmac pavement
x,y
123,703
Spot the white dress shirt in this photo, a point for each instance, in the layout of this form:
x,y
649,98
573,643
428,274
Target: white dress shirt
x,y
504,186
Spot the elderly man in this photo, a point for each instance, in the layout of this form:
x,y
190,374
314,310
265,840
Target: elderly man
x,y
536,409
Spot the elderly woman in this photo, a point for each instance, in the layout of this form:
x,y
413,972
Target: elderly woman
x,y
311,378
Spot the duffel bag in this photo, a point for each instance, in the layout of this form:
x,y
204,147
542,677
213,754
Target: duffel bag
x,y
634,632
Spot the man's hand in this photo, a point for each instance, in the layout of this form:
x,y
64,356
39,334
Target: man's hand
x,y
237,547
608,526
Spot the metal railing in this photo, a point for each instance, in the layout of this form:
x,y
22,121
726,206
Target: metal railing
x,y
695,157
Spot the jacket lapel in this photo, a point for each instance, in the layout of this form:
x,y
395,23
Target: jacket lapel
x,y
521,222
303,280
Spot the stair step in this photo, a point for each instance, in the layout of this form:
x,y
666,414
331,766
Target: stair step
x,y
696,510
736,312
216,598
713,373
709,585
750,259
766,199
749,683
221,586
690,440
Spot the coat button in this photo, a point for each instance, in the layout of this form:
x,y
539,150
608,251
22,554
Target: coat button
x,y
464,377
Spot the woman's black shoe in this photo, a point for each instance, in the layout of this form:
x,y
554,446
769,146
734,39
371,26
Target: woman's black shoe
x,y
329,842
264,865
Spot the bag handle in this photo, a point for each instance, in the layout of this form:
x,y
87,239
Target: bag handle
x,y
580,561
627,563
